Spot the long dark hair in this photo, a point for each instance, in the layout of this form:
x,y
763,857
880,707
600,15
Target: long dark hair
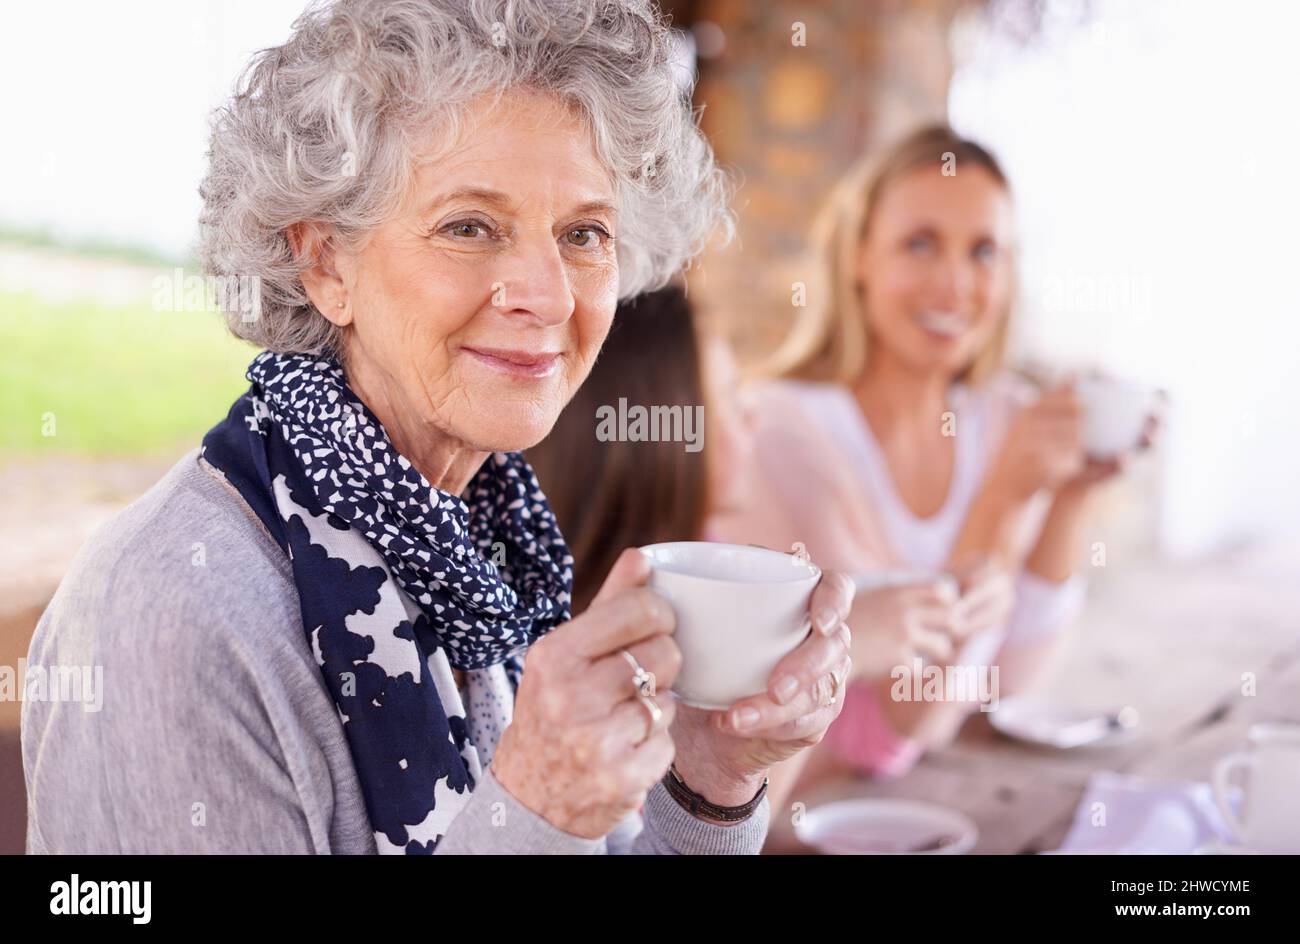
x,y
609,496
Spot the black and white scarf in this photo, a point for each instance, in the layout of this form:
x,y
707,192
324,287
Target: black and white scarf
x,y
399,582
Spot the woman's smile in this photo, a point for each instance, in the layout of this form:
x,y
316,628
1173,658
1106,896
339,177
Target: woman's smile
x,y
428,308
942,325
525,365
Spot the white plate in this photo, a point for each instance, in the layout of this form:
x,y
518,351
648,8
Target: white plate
x,y
1039,721
869,826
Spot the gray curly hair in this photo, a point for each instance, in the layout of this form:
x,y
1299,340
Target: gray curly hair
x,y
323,128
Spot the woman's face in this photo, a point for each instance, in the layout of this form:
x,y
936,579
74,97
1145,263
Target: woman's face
x,y
935,267
478,309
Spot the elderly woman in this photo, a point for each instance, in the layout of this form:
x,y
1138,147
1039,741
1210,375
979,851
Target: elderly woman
x,y
343,624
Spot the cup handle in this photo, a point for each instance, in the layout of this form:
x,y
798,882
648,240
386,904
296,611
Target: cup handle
x,y
1223,772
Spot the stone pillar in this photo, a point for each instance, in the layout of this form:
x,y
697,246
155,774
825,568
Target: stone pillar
x,y
796,93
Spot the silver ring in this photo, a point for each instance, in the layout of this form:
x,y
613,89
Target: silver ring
x,y
835,688
655,714
642,681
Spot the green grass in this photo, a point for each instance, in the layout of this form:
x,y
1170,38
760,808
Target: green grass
x,y
118,381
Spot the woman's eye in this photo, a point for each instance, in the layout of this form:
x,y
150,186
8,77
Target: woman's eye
x,y
466,229
985,252
586,237
920,244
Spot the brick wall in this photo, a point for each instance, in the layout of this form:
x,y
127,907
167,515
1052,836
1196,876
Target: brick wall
x,y
790,118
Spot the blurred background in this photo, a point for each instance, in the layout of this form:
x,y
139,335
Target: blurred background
x,y
1152,147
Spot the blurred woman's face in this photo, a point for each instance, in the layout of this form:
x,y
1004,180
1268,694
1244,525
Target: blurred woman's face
x,y
935,267
729,436
479,308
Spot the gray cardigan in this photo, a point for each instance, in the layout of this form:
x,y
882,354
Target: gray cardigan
x,y
213,730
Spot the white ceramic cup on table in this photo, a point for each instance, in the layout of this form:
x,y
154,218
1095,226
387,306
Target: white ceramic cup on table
x,y
1115,414
740,610
1270,816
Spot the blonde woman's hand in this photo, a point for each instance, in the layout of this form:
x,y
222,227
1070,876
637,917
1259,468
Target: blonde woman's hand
x,y
987,596
893,625
1099,471
1044,446
577,752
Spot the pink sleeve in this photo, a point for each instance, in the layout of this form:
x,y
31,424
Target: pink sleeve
x,y
864,740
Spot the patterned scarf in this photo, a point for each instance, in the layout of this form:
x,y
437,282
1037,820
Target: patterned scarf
x,y
480,579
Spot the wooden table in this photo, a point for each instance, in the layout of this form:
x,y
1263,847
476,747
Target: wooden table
x,y
1178,644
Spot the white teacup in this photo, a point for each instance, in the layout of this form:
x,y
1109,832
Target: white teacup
x,y
1270,818
739,609
1115,414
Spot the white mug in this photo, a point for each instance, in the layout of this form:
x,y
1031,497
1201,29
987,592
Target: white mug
x,y
1270,820
739,609
1115,414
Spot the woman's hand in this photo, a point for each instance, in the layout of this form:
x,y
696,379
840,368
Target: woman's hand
x,y
1098,471
724,755
577,752
987,596
1044,446
893,625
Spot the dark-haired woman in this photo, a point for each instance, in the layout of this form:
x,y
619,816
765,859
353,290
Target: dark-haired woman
x,y
608,495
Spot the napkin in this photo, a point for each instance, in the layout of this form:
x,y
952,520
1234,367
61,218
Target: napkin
x,y
1126,814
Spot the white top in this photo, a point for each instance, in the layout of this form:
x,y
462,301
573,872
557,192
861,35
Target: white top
x,y
924,544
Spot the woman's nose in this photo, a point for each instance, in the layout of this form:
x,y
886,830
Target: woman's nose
x,y
534,283
958,282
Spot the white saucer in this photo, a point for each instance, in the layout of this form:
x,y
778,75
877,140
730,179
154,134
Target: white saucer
x,y
1037,720
868,826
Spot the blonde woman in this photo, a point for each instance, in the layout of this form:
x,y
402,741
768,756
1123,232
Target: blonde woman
x,y
896,446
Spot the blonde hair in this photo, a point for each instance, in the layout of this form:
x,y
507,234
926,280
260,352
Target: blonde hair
x,y
830,340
